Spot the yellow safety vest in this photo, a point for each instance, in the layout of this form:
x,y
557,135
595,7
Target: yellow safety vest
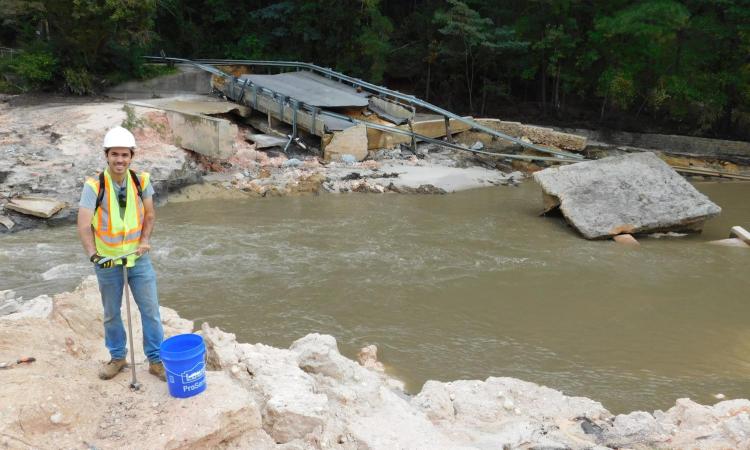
x,y
115,235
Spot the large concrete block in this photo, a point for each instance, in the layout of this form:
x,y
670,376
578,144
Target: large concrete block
x,y
352,141
635,193
208,136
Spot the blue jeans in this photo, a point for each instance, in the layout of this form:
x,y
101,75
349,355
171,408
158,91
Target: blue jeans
x,y
142,282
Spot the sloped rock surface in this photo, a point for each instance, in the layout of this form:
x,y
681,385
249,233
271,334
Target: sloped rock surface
x,y
306,397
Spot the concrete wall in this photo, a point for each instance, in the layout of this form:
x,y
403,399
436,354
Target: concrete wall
x,y
208,136
190,80
669,142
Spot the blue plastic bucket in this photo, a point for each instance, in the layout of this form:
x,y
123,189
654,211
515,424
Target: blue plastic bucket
x,y
184,358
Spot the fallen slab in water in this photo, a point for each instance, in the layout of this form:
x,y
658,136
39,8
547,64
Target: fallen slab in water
x,y
636,193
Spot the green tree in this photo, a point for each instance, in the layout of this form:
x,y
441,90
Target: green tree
x,y
469,34
640,45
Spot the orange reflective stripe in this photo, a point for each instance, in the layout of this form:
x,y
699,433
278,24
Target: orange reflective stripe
x,y
117,232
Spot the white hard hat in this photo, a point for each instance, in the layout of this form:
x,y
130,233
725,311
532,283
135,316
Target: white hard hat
x,y
119,137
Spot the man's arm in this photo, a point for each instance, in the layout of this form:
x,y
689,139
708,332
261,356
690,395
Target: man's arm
x,y
85,233
149,217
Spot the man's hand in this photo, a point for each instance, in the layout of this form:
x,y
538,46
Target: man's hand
x,y
143,248
95,258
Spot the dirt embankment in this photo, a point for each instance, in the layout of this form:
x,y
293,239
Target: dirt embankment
x,y
306,397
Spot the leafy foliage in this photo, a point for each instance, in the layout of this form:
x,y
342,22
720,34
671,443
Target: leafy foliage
x,y
680,65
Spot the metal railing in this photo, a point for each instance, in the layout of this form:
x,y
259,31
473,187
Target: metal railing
x,y
7,52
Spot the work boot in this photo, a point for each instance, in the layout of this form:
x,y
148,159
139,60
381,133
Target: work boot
x,y
157,369
110,369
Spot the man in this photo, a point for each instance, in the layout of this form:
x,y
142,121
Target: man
x,y
115,217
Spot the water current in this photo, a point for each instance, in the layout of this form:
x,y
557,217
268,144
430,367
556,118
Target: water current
x,y
467,285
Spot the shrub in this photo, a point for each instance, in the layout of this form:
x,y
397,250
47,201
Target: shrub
x,y
132,121
33,68
78,81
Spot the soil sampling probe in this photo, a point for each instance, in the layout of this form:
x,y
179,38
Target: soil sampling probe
x,y
134,384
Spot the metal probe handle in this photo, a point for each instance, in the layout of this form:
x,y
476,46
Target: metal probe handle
x,y
134,382
114,258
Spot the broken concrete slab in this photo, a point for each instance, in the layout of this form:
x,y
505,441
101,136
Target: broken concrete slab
x,y
352,141
194,104
311,88
35,206
637,193
446,179
390,110
208,136
7,222
266,140
433,128
534,134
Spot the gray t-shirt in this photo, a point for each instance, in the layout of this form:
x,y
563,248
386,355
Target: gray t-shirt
x,y
88,196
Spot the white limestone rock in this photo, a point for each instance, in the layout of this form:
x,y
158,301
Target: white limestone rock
x,y
507,412
39,307
291,407
638,427
319,354
224,412
287,416
435,401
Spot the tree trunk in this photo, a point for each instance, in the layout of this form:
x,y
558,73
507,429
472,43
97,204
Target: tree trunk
x,y
544,85
468,74
557,89
544,91
484,95
427,87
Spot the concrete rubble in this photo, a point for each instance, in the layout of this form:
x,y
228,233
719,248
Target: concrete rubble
x,y
51,148
535,134
635,193
193,154
35,206
306,397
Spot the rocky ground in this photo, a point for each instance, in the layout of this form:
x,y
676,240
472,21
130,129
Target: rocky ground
x,y
49,148
259,397
308,396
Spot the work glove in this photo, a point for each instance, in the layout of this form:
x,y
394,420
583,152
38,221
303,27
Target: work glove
x,y
95,258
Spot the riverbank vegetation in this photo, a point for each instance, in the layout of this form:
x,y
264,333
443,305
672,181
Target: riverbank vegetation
x,y
650,65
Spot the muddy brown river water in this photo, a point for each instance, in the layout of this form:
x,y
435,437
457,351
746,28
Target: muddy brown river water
x,y
466,285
